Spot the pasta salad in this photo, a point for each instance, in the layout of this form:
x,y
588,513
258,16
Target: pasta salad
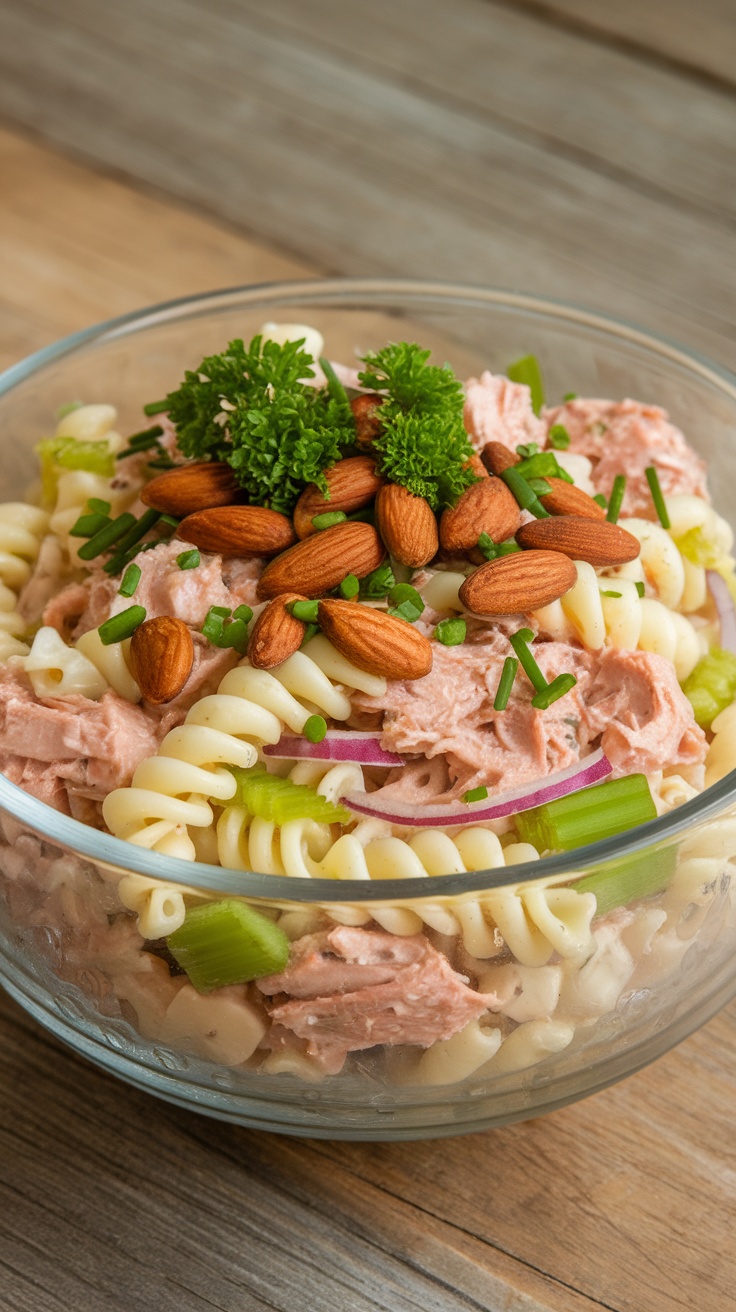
x,y
320,621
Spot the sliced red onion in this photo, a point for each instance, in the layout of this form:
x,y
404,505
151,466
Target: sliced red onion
x,y
337,745
721,594
582,774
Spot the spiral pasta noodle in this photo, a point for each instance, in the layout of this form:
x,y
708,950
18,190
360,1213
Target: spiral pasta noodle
x,y
171,791
75,487
21,530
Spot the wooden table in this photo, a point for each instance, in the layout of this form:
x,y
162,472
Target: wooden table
x,y
574,148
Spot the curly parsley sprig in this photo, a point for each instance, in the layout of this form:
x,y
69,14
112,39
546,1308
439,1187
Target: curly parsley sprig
x,y
423,446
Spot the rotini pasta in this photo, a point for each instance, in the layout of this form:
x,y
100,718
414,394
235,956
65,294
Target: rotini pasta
x,y
58,670
21,529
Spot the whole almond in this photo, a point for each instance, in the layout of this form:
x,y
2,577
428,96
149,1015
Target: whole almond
x,y
374,641
320,562
353,483
161,658
366,408
485,507
407,525
595,540
198,486
496,457
238,530
520,582
276,634
566,499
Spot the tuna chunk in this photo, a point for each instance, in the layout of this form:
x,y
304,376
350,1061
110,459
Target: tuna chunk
x,y
623,437
49,572
644,717
497,410
65,747
349,989
449,713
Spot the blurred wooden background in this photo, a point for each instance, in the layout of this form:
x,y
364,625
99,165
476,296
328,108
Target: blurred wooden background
x,y
571,147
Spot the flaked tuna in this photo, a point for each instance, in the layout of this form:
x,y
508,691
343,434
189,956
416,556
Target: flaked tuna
x,y
623,437
349,989
497,410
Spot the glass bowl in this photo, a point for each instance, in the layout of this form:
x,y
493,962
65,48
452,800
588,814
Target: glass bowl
x,y
601,995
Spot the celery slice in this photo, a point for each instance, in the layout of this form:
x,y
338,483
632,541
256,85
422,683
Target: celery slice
x,y
598,812
68,453
227,942
279,800
626,881
698,548
712,685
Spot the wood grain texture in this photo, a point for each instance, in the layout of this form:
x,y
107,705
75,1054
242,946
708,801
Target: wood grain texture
x,y
363,156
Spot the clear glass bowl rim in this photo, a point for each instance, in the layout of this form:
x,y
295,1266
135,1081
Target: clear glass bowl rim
x,y
117,854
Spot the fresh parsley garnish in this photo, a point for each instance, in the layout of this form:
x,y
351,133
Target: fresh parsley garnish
x,y
423,445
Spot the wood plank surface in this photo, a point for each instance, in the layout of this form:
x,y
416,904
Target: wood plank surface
x,y
390,139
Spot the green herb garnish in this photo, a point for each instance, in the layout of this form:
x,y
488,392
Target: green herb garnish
x,y
559,438
616,498
525,496
657,497
328,519
378,582
308,611
505,683
350,587
189,559
451,632
527,370
641,588
475,794
130,581
121,626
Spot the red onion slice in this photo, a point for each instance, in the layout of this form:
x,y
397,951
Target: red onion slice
x,y
582,774
337,745
720,592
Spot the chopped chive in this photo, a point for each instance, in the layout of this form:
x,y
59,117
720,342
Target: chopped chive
x,y
378,582
487,546
227,942
234,634
543,465
137,530
616,498
87,525
366,516
406,611
523,493
350,587
451,632
611,594
156,408
170,520
131,579
554,690
526,370
641,589
100,507
310,632
559,438
506,683
213,626
583,817
315,728
146,437
165,462
107,536
189,559
657,498
224,612
67,409
328,519
475,794
405,592
122,626
243,613
308,611
527,449
539,486
507,548
335,387
570,396
528,664
601,500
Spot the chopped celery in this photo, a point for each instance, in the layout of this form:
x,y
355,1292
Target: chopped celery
x,y
712,685
598,812
227,942
623,882
698,548
279,800
67,453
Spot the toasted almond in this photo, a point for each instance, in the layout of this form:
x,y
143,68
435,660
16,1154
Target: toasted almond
x,y
353,483
379,643
496,457
595,540
407,525
161,658
238,530
566,499
486,507
320,562
199,486
523,581
368,424
276,634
